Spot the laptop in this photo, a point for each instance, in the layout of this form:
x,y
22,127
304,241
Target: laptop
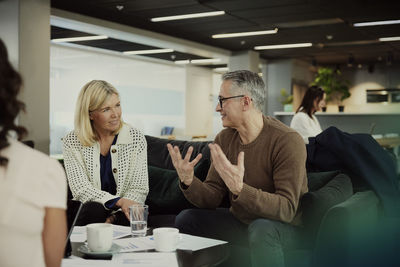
x,y
73,209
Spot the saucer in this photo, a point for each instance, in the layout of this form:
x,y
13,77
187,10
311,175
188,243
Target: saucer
x,y
104,254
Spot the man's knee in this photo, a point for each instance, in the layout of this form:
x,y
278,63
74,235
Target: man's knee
x,y
184,219
263,231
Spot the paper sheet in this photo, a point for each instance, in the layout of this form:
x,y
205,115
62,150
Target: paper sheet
x,y
148,259
121,231
74,261
186,242
79,233
133,244
190,242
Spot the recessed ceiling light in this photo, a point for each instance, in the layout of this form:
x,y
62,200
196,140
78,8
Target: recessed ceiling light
x,y
205,60
149,51
241,34
282,46
376,23
79,39
189,16
389,39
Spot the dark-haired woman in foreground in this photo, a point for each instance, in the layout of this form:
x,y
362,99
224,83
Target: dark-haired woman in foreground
x,y
304,121
33,189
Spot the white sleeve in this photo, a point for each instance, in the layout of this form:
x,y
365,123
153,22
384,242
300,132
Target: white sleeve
x,y
78,178
54,186
301,123
139,179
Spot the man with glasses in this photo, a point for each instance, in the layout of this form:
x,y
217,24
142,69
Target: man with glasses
x,y
260,163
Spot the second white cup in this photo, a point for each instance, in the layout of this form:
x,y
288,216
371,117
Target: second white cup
x,y
99,236
166,239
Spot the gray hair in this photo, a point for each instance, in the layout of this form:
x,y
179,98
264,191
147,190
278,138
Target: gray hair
x,y
244,81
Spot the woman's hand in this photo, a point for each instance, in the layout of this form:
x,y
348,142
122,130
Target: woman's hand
x,y
124,204
111,219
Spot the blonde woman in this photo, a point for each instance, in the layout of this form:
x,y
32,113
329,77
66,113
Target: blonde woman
x,y
105,158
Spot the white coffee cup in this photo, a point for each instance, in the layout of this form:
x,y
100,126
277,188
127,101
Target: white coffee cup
x,y
166,239
99,236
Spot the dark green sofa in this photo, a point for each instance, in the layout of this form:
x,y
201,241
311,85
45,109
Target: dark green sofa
x,y
340,225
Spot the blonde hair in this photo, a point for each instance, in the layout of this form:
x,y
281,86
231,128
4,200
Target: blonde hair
x,y
92,96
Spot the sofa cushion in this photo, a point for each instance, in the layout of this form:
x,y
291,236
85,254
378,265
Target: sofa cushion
x,y
165,196
158,155
315,204
316,180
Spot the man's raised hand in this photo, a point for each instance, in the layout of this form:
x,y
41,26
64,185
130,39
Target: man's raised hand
x,y
232,175
184,167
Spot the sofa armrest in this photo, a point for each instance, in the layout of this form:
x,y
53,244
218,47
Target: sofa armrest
x,y
345,236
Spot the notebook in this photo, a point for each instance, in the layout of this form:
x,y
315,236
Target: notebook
x,y
73,209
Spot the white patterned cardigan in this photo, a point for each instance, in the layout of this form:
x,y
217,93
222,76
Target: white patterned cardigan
x,y
128,161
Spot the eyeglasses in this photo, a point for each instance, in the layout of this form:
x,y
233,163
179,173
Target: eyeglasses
x,y
222,99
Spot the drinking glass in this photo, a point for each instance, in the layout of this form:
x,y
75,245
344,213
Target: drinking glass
x,y
138,218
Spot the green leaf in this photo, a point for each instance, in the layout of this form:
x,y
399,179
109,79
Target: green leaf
x,y
332,83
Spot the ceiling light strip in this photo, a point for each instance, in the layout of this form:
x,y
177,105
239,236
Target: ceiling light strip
x,y
282,46
221,69
241,34
149,51
186,61
389,39
376,23
205,60
79,39
189,16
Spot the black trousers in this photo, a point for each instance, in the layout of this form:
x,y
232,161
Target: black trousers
x,y
261,243
94,212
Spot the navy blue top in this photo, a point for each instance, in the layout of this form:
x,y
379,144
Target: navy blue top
x,y
106,176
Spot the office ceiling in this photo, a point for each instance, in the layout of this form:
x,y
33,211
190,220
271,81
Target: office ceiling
x,y
328,25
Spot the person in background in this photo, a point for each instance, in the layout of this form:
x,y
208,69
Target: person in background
x,y
260,164
304,121
105,158
33,188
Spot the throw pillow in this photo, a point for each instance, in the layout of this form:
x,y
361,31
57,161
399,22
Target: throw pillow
x,y
316,180
165,196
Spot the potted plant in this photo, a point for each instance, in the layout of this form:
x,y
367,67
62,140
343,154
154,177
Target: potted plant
x,y
286,100
336,88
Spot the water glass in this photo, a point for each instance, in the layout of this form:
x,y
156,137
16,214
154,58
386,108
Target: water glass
x,y
138,216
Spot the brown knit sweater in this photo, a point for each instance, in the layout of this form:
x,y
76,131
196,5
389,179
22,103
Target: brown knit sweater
x,y
274,179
